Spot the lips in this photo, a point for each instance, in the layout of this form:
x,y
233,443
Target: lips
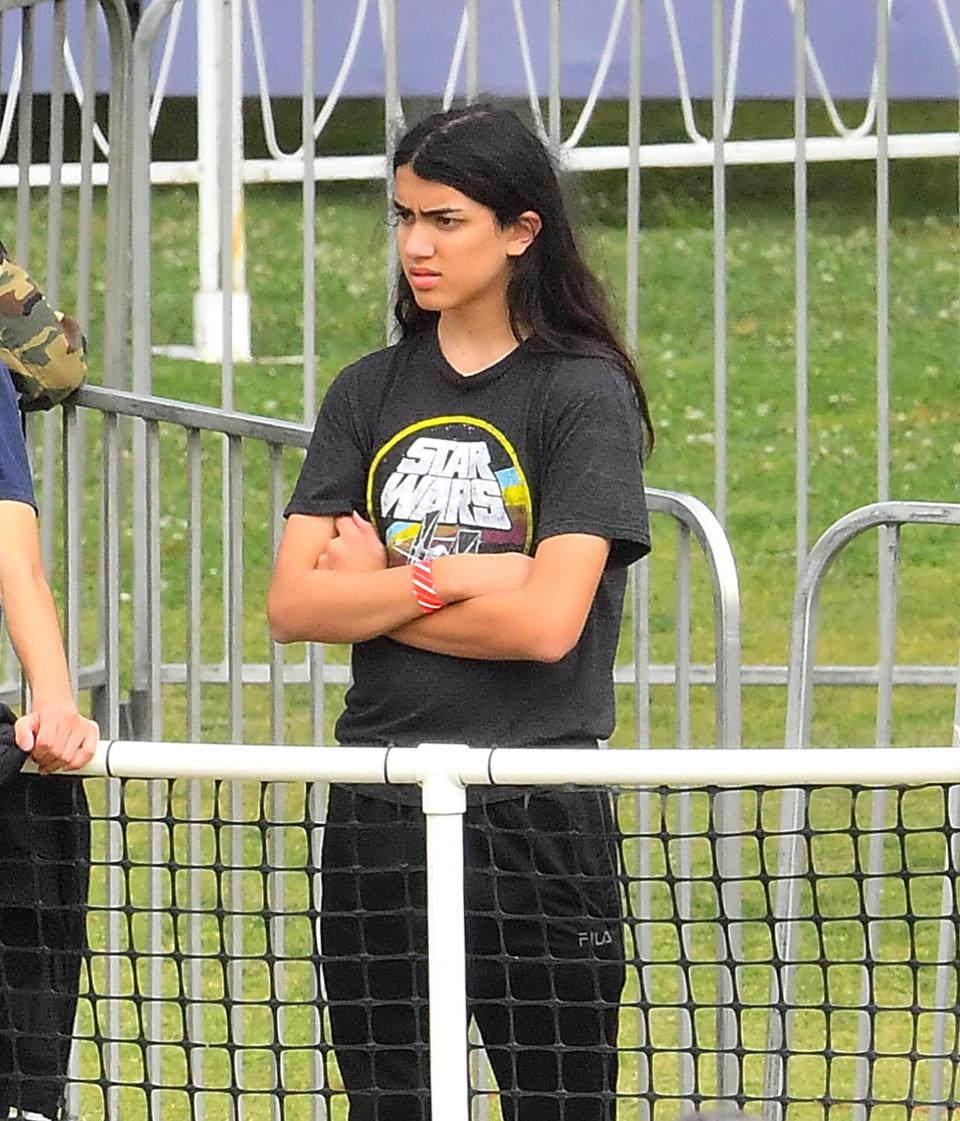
x,y
423,278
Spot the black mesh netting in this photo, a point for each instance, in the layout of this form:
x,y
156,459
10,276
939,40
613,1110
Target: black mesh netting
x,y
252,950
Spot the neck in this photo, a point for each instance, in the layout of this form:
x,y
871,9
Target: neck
x,y
474,338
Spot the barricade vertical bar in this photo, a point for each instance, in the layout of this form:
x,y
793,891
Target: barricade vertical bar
x,y
88,81
25,136
801,315
872,891
277,692
194,621
638,900
883,253
48,477
473,49
640,606
195,788
688,1074
309,218
72,534
111,728
72,537
719,267
55,155
392,117
117,293
639,573
140,248
554,98
154,648
233,540
633,175
225,143
682,639
154,728
140,309
276,882
444,804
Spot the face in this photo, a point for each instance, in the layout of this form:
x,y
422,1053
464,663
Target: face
x,y
452,250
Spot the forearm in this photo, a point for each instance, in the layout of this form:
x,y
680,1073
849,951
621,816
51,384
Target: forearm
x,y
507,626
540,620
323,606
34,629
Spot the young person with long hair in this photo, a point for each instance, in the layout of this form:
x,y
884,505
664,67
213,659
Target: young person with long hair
x,y
465,515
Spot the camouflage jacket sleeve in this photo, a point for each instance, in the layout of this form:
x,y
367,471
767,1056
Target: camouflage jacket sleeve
x,y
44,349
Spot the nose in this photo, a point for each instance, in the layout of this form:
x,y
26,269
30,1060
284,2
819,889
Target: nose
x,y
416,241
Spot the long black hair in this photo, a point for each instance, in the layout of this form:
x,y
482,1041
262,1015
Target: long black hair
x,y
554,300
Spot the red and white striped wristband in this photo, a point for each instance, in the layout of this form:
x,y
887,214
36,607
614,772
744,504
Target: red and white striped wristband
x,y
424,588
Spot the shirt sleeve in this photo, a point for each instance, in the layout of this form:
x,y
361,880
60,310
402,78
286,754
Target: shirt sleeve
x,y
332,477
16,484
592,475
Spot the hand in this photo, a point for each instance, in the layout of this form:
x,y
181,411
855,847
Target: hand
x,y
480,574
356,547
55,736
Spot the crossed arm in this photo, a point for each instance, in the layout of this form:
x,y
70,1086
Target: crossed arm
x,y
331,583
53,731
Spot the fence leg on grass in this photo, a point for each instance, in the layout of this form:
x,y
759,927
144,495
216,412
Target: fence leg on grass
x,y
444,804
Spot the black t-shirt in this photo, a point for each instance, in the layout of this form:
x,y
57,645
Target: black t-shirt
x,y
531,447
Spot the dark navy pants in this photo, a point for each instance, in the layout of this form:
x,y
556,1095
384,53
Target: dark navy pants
x,y
545,956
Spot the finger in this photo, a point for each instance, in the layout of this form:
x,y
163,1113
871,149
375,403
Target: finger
x,y
25,730
88,745
50,739
364,526
68,757
346,526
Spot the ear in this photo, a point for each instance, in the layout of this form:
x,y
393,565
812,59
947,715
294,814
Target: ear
x,y
523,233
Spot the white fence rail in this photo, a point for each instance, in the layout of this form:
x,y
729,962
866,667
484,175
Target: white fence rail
x,y
906,1060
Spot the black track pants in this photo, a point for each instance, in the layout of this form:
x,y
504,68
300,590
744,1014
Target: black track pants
x,y
544,953
44,869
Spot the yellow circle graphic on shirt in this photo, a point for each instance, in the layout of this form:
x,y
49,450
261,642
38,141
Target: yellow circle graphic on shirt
x,y
447,485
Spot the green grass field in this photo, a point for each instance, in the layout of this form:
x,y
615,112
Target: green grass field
x,y
676,349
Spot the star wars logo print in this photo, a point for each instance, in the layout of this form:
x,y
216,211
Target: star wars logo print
x,y
449,485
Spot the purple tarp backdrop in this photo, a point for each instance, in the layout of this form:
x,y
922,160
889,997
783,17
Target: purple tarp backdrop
x,y
843,34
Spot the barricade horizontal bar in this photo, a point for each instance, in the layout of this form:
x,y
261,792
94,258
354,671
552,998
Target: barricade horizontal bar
x,y
826,149
192,416
660,673
258,762
867,766
700,673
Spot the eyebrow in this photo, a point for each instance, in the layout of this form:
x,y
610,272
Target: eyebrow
x,y
431,211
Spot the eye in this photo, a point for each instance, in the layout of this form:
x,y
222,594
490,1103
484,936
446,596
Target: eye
x,y
445,221
402,216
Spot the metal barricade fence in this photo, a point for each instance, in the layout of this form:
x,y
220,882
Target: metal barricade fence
x,y
211,673
889,517
91,284
223,278
210,1027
